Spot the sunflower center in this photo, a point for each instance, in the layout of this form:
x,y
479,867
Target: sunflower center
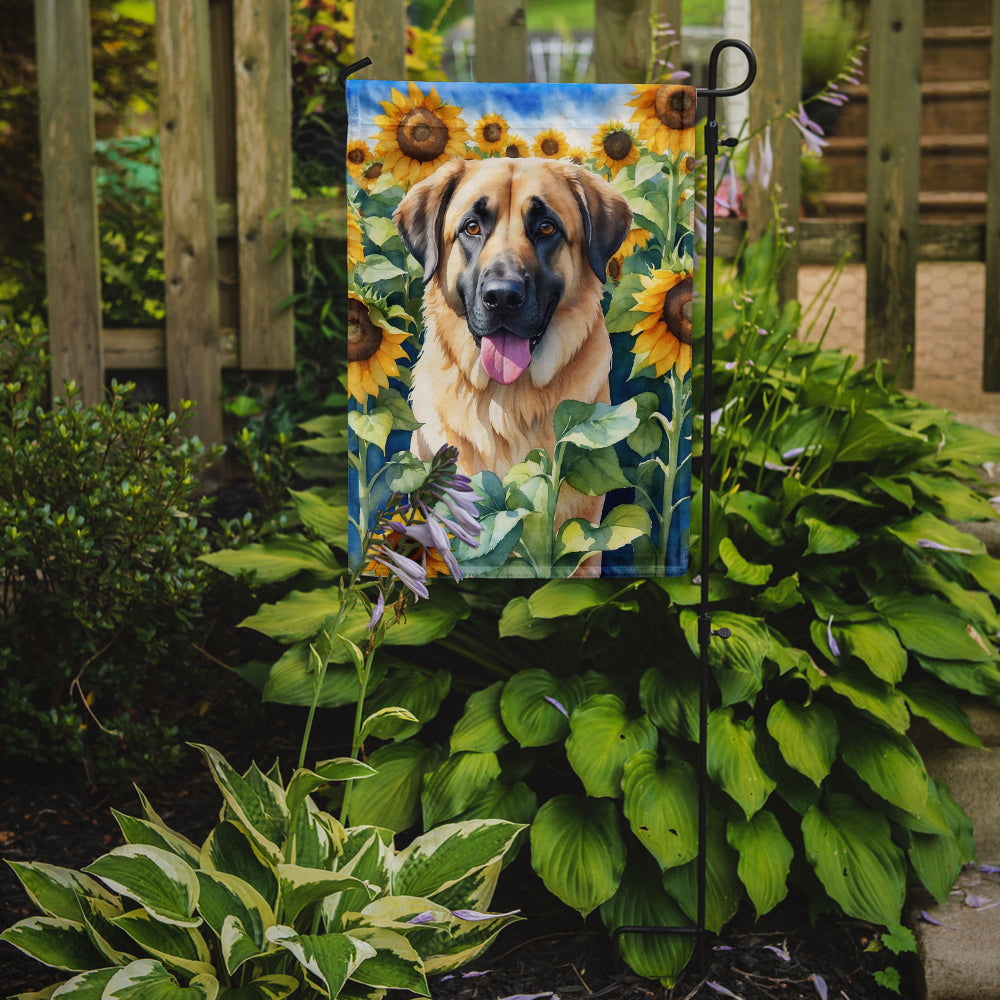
x,y
617,144
677,310
374,172
512,151
492,132
421,135
549,147
675,106
356,156
363,337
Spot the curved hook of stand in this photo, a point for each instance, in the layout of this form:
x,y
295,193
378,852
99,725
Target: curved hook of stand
x,y
352,68
713,69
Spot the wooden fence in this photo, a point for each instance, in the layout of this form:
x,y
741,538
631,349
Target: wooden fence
x,y
226,161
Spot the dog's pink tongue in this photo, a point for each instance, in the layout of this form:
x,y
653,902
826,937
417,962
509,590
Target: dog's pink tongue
x,y
505,356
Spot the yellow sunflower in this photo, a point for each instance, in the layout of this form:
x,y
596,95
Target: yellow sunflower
x,y
514,146
613,146
551,144
665,113
638,237
355,247
369,174
373,348
358,154
490,133
419,133
576,155
663,335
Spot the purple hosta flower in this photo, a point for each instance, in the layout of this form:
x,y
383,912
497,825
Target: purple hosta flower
x,y
475,915
377,612
427,917
410,573
558,705
729,194
989,869
820,984
812,134
780,952
431,534
831,642
928,543
719,988
531,996
760,164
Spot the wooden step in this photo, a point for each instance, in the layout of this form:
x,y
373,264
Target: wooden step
x,y
940,13
956,53
957,206
947,106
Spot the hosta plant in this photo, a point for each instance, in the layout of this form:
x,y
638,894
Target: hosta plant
x,y
279,900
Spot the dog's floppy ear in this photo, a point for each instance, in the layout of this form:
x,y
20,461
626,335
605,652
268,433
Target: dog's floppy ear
x,y
607,218
419,217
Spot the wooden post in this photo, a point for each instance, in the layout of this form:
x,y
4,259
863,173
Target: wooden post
x,y
893,183
991,333
72,255
380,34
501,37
622,40
776,36
190,253
261,40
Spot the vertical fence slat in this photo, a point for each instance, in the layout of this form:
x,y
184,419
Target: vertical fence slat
x,y
991,332
72,257
667,13
380,34
264,168
622,38
893,183
501,41
190,253
776,35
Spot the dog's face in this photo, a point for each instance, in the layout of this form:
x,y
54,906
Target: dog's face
x,y
515,246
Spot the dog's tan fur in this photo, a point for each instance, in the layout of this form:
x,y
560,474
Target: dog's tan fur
x,y
494,425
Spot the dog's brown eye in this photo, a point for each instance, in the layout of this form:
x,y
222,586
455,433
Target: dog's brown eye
x,y
472,228
546,228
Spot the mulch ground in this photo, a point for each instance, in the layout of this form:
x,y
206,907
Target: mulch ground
x,y
551,953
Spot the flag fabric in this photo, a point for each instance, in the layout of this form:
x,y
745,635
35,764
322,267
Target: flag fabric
x,y
520,266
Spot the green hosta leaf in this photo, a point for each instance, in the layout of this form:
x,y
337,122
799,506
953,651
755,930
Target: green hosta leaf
x,y
783,595
955,499
888,763
828,539
561,598
142,831
870,436
301,887
386,723
274,987
327,520
159,881
530,706
986,572
976,678
641,901
760,512
937,859
304,782
932,628
330,959
578,851
517,620
230,849
391,798
418,690
807,736
602,738
738,661
481,728
180,948
732,760
54,941
516,803
594,425
661,798
279,558
876,646
941,709
738,569
850,847
395,964
928,528
374,427
723,889
671,700
56,891
456,784
765,858
147,979
438,859
867,693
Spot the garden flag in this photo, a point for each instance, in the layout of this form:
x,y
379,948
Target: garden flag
x,y
520,281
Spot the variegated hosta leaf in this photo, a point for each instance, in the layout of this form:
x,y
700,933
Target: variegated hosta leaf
x,y
275,987
807,736
230,849
300,887
661,805
116,946
224,898
367,853
315,838
177,947
86,986
256,801
141,831
732,760
642,902
54,941
149,980
304,782
329,959
158,880
395,964
850,847
578,851
441,857
468,939
56,891
765,858
602,738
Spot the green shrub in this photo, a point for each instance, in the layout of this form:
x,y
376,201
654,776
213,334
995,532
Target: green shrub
x,y
101,584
